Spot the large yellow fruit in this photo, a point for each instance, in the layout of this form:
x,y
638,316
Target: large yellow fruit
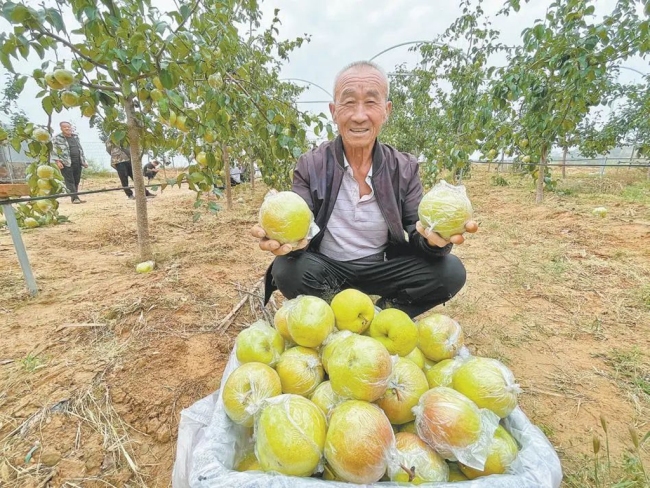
x,y
156,95
64,77
423,463
280,320
439,337
31,222
325,398
395,330
405,387
359,439
408,427
442,373
445,209
41,135
202,158
353,310
44,184
290,435
309,321
45,171
52,83
246,389
417,357
43,205
447,420
69,99
330,344
360,367
455,474
259,343
300,371
503,451
488,383
285,217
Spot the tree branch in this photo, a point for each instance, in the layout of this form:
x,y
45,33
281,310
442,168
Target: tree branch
x,y
100,87
73,48
180,26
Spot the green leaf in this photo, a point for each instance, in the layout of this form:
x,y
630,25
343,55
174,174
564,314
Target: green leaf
x,y
214,207
166,79
46,102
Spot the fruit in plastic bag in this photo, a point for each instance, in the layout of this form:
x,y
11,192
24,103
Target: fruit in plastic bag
x,y
280,320
325,398
259,343
442,373
395,330
353,310
408,427
446,418
488,383
330,344
440,337
360,367
309,321
600,212
503,451
405,387
445,209
246,389
290,435
415,462
417,357
359,440
285,217
300,371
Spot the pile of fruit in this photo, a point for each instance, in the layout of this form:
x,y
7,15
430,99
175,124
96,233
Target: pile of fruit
x,y
344,391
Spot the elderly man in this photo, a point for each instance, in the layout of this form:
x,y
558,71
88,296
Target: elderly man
x,y
365,197
69,156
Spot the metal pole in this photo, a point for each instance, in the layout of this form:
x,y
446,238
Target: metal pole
x,y
602,168
14,230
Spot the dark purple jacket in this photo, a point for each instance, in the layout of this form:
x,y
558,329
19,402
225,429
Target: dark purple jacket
x,y
396,183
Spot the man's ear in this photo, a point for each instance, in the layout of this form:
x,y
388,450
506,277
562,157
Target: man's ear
x,y
332,106
389,109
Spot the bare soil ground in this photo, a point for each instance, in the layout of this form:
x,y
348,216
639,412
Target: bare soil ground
x,y
95,370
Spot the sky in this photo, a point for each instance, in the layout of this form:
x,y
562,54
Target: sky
x,y
342,31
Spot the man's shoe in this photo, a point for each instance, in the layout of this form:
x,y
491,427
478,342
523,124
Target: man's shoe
x,y
78,201
151,196
131,197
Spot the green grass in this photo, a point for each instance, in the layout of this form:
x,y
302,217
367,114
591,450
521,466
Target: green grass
x,y
31,363
632,368
637,193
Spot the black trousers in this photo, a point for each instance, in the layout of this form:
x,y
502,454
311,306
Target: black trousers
x,y
150,175
71,177
412,284
125,171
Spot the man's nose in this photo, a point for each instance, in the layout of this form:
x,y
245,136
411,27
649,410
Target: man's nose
x,y
359,112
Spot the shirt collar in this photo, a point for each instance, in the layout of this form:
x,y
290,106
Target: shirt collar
x,y
346,165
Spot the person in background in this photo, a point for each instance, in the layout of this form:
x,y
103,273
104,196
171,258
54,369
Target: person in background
x,y
121,161
150,170
68,155
365,197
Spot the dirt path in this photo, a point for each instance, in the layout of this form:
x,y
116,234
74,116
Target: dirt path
x,y
95,370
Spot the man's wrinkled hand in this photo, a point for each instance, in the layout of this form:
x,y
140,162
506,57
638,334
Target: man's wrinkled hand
x,y
274,246
435,240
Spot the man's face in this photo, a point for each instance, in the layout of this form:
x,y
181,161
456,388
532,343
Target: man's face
x,y
66,129
360,107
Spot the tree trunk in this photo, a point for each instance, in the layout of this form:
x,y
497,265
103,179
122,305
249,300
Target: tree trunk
x,y
133,129
226,172
252,176
503,156
539,194
631,157
564,151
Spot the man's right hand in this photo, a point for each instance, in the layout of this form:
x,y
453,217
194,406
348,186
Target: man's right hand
x,y
273,246
59,164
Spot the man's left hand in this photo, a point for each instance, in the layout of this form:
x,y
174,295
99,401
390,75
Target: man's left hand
x,y
85,165
435,240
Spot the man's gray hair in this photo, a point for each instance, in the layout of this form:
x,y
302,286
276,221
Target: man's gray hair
x,y
363,65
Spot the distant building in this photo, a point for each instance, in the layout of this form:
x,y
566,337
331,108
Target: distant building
x,y
13,164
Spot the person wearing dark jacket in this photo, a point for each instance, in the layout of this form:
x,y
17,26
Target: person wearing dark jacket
x,y
121,161
364,196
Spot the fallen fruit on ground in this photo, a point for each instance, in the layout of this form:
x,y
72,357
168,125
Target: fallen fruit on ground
x,y
246,389
488,383
360,367
300,370
290,435
502,452
285,217
259,343
415,462
405,387
439,337
359,439
445,209
353,310
309,321
145,267
395,330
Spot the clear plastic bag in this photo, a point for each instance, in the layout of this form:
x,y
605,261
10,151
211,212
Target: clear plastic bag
x,y
445,209
208,442
286,218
